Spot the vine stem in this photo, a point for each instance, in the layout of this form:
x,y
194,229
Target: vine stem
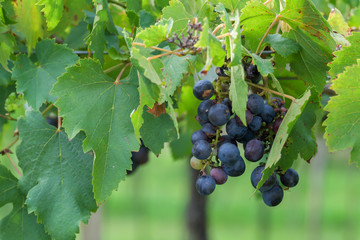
x,y
117,80
267,32
8,117
59,121
223,35
268,1
159,56
11,144
272,91
47,109
156,48
218,28
12,162
110,69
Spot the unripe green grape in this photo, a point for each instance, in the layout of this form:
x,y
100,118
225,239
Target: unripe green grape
x,y
196,163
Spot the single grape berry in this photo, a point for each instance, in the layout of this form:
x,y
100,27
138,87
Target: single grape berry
x,y
203,109
250,135
198,135
236,169
196,163
52,120
225,139
228,153
255,124
253,74
141,156
235,130
290,178
219,114
255,104
256,176
268,114
274,196
254,150
205,185
209,129
228,103
203,90
201,149
277,124
219,175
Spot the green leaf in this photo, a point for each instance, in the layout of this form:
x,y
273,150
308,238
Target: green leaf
x,y
18,224
354,20
178,13
304,15
36,80
155,34
346,57
238,87
156,131
343,122
264,66
5,77
284,46
255,18
134,5
7,43
337,22
232,5
213,45
53,12
310,62
290,119
91,101
56,172
29,21
174,70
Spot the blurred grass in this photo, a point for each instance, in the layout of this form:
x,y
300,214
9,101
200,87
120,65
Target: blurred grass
x,y
151,204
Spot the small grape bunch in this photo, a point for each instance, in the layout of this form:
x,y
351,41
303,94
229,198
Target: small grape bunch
x,y
139,158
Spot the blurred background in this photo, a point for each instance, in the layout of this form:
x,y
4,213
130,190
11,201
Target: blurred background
x,y
153,204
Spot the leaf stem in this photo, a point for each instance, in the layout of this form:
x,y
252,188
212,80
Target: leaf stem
x,y
110,69
272,91
48,108
117,3
59,121
267,32
223,35
159,49
268,1
159,56
8,117
218,28
12,162
117,80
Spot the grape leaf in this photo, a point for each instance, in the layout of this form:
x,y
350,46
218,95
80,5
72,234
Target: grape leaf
x,y
284,46
91,101
18,224
232,5
346,57
293,114
264,66
310,62
178,13
56,172
5,77
29,21
343,122
174,69
304,15
53,12
36,81
238,87
150,134
7,43
337,22
155,34
255,18
354,20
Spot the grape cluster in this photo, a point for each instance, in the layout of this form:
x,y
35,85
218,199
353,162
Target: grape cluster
x,y
220,151
139,158
188,42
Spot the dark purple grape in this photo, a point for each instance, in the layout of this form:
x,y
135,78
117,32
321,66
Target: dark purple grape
x,y
198,135
254,150
250,135
277,102
290,178
228,153
236,169
141,156
134,166
203,109
277,124
274,196
200,121
225,139
268,114
209,129
228,103
255,104
255,124
253,74
219,114
205,185
52,120
219,175
201,149
256,176
235,130
203,90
